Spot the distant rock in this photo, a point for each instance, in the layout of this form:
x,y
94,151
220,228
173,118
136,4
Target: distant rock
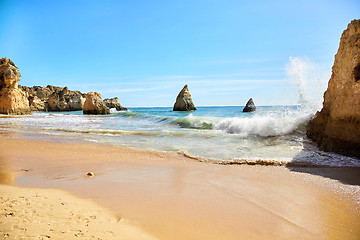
x,y
184,101
336,127
54,99
36,104
12,99
250,106
114,103
94,104
65,100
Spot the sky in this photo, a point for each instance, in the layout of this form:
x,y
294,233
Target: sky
x,y
144,52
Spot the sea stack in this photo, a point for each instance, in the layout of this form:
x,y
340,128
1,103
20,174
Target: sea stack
x,y
184,101
12,99
94,104
250,106
114,103
336,127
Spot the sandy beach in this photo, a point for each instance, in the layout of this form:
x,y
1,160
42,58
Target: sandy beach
x,y
55,214
137,194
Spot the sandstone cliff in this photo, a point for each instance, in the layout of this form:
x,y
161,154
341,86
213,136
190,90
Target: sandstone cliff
x,y
250,106
94,104
12,99
336,127
184,101
114,103
54,99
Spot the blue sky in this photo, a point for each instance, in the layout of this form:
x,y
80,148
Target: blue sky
x,y
144,52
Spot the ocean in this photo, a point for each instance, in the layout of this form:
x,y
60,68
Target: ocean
x,y
273,135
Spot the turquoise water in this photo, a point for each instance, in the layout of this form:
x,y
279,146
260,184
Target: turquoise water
x,y
271,135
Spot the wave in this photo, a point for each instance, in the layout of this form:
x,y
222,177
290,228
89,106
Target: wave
x,y
197,122
102,131
130,114
322,159
263,126
260,125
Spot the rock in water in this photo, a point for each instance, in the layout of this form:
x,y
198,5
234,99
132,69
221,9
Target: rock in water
x,y
12,99
336,127
184,101
250,106
94,104
114,103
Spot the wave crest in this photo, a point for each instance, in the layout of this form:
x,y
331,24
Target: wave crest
x,y
261,125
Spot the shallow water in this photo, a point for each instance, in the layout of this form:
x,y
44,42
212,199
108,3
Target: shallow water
x,y
271,135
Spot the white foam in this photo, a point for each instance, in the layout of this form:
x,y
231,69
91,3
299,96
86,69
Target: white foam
x,y
261,125
311,80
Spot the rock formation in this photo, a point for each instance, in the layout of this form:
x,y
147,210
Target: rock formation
x,y
54,99
94,104
12,99
250,106
114,103
336,127
65,100
184,101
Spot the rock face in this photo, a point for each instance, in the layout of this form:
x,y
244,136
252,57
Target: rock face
x,y
54,99
184,101
12,99
114,103
94,104
250,106
336,127
65,100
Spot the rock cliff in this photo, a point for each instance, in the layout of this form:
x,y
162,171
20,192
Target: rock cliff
x,y
54,99
336,127
114,103
250,106
184,101
12,99
94,104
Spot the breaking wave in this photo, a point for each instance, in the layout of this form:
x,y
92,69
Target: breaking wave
x,y
260,125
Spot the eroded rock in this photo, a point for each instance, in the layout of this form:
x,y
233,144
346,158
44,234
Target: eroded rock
x,y
250,106
184,101
336,127
54,99
94,104
114,103
12,99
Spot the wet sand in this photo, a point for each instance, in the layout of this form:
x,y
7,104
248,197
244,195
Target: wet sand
x,y
172,197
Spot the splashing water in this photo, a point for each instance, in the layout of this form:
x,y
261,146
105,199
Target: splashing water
x,y
311,80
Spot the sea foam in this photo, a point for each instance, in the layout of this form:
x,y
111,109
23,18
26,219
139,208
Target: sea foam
x,y
263,125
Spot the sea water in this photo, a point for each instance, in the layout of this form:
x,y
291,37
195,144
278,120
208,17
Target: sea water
x,y
272,135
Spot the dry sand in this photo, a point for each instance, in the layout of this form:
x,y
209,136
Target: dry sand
x,y
55,214
172,197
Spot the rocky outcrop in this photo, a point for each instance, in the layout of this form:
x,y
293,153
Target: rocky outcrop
x,y
12,99
54,99
94,104
336,127
65,100
184,101
250,106
114,103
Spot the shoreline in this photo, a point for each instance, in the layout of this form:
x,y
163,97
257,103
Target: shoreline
x,y
171,196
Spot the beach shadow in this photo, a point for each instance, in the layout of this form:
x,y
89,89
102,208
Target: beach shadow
x,y
346,175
